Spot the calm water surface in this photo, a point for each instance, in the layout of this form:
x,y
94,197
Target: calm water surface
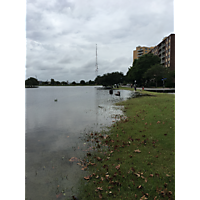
x,y
55,131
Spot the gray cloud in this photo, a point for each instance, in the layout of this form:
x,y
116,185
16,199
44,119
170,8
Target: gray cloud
x,y
62,35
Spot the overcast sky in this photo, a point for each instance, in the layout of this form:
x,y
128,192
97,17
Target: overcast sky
x,y
61,36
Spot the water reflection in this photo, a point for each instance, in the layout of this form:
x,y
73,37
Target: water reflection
x,y
54,131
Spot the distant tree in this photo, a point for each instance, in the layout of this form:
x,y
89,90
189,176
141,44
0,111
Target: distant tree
x,y
73,83
156,72
110,79
63,83
140,66
82,82
45,83
91,82
31,81
52,82
170,78
57,82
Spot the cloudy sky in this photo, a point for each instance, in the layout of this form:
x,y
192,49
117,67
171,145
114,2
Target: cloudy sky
x,y
61,35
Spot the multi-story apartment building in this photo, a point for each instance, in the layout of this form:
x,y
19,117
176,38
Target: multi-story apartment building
x,y
140,51
166,51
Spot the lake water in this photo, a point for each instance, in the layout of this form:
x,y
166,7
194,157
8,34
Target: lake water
x,y
55,131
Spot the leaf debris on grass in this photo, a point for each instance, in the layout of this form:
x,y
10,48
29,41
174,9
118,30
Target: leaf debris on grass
x,y
134,155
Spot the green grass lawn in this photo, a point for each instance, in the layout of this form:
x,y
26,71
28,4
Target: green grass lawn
x,y
135,159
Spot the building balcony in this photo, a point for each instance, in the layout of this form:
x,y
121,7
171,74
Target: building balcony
x,y
162,61
163,51
163,45
140,53
163,56
140,50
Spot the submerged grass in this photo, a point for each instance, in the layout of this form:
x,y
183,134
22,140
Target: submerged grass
x,y
135,159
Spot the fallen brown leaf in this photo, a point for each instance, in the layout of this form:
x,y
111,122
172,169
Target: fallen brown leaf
x,y
117,167
170,192
143,198
107,176
99,188
91,163
87,177
138,175
137,151
99,159
139,186
83,168
72,159
151,175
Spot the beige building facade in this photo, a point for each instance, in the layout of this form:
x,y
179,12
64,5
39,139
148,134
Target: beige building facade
x,y
165,50
141,51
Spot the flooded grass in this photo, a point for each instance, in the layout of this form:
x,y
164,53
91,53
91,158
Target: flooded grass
x,y
135,159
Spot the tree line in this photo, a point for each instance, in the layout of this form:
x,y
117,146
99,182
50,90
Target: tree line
x,y
33,82
145,71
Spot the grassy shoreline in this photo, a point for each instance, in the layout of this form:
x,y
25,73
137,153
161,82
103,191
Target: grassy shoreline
x,y
135,159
